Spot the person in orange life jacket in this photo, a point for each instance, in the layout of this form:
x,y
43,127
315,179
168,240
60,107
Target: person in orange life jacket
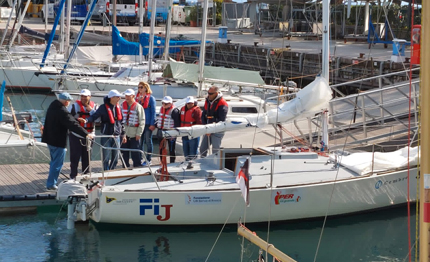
x,y
147,101
134,123
215,111
111,125
169,118
78,150
58,122
190,115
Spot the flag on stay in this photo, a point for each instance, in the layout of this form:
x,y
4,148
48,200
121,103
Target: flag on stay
x,y
242,180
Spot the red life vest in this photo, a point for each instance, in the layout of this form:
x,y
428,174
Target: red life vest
x,y
110,113
165,119
143,100
211,111
187,117
89,126
130,116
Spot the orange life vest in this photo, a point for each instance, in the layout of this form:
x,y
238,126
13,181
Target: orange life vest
x,y
110,113
165,119
187,116
89,126
130,116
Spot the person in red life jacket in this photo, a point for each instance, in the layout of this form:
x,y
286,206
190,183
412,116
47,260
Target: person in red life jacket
x,y
112,130
78,150
147,100
191,115
215,111
134,123
58,122
169,118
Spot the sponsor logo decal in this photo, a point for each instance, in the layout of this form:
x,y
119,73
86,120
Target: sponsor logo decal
x,y
148,204
380,183
114,201
284,196
203,199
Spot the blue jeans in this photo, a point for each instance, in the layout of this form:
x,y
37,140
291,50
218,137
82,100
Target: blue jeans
x,y
132,143
190,147
58,154
114,154
146,139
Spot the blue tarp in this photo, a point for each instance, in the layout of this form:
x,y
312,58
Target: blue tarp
x,y
120,46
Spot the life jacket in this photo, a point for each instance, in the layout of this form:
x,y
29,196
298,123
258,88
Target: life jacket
x,y
130,116
89,126
211,111
165,120
110,113
143,100
187,117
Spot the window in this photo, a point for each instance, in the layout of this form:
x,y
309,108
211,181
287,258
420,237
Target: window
x,y
244,110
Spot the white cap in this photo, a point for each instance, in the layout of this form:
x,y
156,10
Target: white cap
x,y
85,92
113,93
129,92
189,99
167,99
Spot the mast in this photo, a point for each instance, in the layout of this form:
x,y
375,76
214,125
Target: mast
x,y
425,136
168,29
202,47
19,24
140,29
68,19
325,39
151,38
7,24
62,21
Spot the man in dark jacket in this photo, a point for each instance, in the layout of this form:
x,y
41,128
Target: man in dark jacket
x,y
57,123
215,111
111,125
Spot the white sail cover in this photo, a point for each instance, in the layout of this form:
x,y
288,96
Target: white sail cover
x,y
190,73
312,99
364,163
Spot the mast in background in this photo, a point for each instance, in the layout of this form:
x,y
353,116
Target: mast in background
x,y
168,30
151,38
425,135
140,30
325,39
202,47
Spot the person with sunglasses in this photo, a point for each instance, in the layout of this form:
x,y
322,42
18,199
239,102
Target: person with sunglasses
x,y
215,111
169,118
145,98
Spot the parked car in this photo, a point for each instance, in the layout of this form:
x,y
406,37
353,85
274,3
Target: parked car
x,y
50,15
126,11
79,10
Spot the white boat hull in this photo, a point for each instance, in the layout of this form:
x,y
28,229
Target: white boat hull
x,y
177,207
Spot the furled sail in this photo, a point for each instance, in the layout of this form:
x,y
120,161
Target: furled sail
x,y
310,100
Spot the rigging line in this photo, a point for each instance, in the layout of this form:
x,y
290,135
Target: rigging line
x,y
409,139
331,195
222,229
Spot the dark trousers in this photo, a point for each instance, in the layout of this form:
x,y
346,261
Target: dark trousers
x,y
78,150
171,143
132,143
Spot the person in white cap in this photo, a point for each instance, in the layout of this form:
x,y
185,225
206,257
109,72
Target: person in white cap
x,y
191,115
169,118
58,122
110,115
82,108
134,123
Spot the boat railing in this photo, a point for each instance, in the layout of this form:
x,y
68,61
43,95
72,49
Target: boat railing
x,y
116,138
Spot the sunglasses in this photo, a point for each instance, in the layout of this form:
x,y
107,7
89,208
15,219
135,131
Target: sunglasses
x,y
140,87
211,93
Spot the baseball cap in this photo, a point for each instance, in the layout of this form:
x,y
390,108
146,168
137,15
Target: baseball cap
x,y
167,99
85,92
65,96
189,99
113,93
129,92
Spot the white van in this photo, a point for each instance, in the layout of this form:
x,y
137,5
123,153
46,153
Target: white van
x,y
50,15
